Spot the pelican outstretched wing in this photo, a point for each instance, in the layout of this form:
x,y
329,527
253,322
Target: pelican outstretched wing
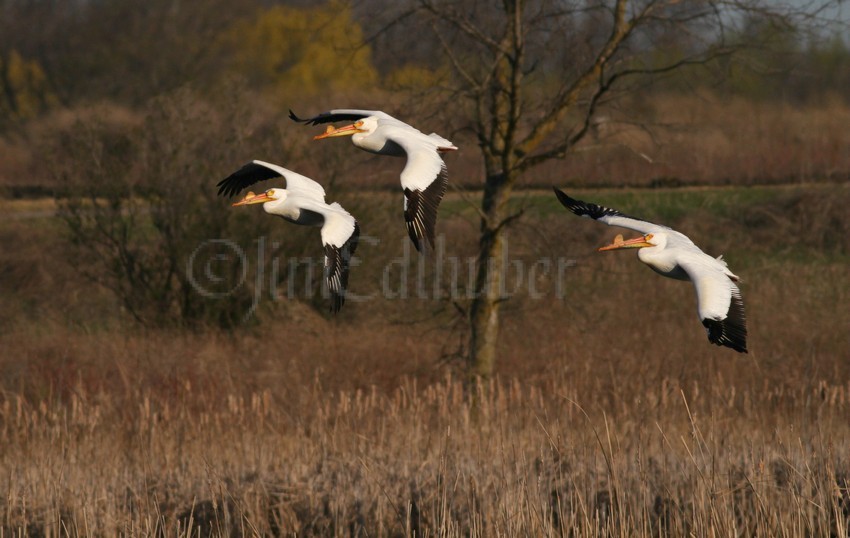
x,y
424,180
341,114
340,235
256,171
607,215
719,302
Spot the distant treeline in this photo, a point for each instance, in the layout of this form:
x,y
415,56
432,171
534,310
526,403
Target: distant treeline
x,y
75,52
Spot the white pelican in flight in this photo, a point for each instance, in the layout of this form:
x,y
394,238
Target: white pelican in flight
x,y
303,202
424,178
672,254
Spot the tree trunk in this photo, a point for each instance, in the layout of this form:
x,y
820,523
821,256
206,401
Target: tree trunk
x,y
490,279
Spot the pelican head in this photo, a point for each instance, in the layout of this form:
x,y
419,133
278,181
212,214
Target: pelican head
x,y
646,240
365,125
269,199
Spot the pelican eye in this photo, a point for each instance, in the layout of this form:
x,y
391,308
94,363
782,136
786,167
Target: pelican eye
x,y
358,123
270,192
647,237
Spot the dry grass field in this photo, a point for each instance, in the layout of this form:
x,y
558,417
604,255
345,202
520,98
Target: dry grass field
x,y
611,416
666,457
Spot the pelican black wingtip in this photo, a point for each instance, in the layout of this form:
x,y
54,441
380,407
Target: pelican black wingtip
x,y
293,117
565,200
222,187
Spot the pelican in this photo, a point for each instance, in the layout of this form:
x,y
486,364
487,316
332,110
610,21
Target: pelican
x,y
302,202
424,178
672,254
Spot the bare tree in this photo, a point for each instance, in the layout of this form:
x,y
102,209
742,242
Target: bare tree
x,y
532,76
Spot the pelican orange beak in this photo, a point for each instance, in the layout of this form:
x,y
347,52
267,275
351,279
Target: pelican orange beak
x,y
637,242
252,198
354,128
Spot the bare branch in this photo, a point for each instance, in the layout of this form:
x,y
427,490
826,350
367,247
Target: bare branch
x,y
462,24
561,149
398,19
473,84
509,219
621,29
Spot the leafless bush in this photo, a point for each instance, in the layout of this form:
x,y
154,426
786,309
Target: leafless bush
x,y
140,203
